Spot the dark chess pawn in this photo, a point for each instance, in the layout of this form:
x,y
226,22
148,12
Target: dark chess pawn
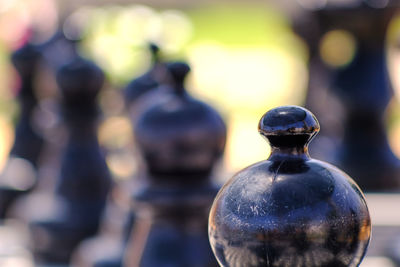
x,y
180,140
84,179
107,248
173,205
289,210
19,175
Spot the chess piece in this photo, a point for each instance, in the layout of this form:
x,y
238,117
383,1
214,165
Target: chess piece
x,y
170,208
319,98
180,140
363,89
19,175
107,248
289,210
146,82
60,49
84,179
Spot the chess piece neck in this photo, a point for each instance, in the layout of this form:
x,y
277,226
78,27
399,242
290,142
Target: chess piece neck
x,y
178,72
289,130
289,154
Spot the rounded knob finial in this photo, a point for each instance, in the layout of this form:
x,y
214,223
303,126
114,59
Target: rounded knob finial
x,y
289,208
279,124
154,49
178,71
80,77
26,59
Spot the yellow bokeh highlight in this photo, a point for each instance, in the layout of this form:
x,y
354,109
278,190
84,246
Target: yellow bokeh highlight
x,y
393,54
394,139
244,61
337,48
115,132
248,78
244,83
6,140
245,146
122,165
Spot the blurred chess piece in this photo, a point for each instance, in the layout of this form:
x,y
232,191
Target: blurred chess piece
x,y
107,248
289,210
20,173
180,140
351,39
75,208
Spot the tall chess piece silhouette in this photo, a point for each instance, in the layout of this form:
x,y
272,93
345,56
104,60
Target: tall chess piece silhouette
x,y
362,87
19,175
289,210
171,204
180,140
84,180
108,247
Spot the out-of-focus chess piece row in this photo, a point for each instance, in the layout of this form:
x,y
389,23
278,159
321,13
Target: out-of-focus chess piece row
x,y
70,210
159,217
180,140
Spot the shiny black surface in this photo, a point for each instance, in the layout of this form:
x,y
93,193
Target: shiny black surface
x,y
289,210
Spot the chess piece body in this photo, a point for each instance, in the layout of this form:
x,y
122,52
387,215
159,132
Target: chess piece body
x,y
84,180
291,209
180,139
20,173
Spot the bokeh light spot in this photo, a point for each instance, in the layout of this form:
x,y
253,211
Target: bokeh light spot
x,y
338,48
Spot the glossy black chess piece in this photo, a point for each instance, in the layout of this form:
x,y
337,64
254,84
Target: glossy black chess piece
x,y
19,175
364,89
84,180
180,140
289,210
